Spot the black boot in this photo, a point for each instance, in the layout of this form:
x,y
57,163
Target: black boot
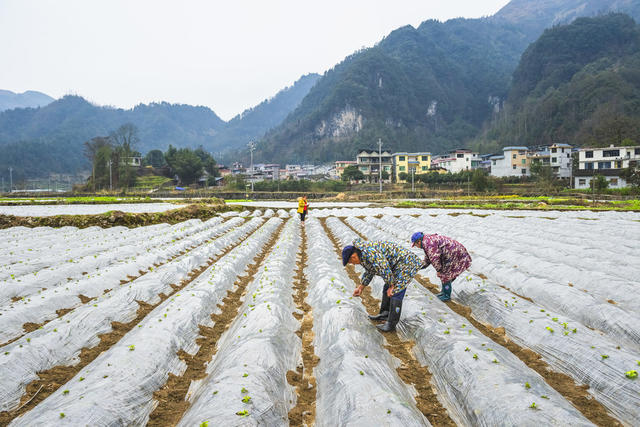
x,y
394,315
384,308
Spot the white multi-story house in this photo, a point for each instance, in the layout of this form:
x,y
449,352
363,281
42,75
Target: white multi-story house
x,y
459,160
608,162
556,156
513,162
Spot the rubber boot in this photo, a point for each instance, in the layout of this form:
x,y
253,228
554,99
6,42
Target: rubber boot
x,y
441,291
446,292
384,308
395,308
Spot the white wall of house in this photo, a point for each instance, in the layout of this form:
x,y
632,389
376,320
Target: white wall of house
x,y
561,162
584,182
607,158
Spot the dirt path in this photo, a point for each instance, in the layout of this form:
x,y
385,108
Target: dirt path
x,y
304,413
171,398
410,370
52,379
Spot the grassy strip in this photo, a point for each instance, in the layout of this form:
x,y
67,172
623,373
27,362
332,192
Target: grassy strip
x,y
551,205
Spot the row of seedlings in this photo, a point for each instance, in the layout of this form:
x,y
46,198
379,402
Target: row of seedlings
x,y
568,347
554,293
248,376
356,377
118,386
60,341
46,304
465,363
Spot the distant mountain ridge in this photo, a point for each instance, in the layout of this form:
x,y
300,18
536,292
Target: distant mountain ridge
x,y
28,99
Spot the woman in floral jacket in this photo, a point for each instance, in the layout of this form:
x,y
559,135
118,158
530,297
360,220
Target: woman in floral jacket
x,y
448,257
396,265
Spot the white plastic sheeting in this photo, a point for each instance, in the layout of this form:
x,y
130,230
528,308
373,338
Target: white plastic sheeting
x,y
60,341
564,343
463,362
43,307
239,370
118,386
522,276
356,377
51,210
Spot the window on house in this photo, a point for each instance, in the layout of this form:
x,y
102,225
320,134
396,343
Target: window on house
x,y
554,160
588,154
425,158
459,155
604,165
524,161
515,167
514,156
494,162
637,151
524,171
582,181
611,153
554,150
588,165
613,181
562,150
425,168
402,168
401,159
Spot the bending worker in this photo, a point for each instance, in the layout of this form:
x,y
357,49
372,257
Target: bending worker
x,y
394,264
448,257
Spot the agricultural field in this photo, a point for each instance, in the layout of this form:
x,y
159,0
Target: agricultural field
x,y
248,319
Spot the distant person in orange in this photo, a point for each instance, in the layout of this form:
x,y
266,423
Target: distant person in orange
x,y
303,208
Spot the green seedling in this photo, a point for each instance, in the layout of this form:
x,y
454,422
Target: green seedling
x,y
132,347
243,413
604,356
204,424
361,373
550,329
62,415
244,390
246,399
447,332
467,349
475,356
495,361
527,385
81,379
245,375
633,374
65,392
533,406
544,397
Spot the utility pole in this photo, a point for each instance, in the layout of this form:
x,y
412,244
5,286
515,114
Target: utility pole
x,y
2,184
110,176
252,146
380,163
413,172
10,180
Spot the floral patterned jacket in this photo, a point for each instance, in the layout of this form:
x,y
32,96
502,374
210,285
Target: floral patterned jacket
x,y
448,256
393,263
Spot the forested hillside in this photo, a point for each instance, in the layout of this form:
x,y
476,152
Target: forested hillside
x,y
30,98
578,83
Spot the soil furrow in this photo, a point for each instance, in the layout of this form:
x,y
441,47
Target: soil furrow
x,y
172,397
304,413
52,379
30,326
410,370
575,393
565,385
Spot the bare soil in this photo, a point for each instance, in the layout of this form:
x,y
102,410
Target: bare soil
x,y
304,413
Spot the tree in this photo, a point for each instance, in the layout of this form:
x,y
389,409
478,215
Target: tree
x,y
632,176
599,183
352,173
208,162
185,163
385,175
479,180
154,158
94,149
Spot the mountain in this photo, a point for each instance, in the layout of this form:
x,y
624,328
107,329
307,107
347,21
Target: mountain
x,y
579,84
254,122
426,89
536,15
28,99
429,89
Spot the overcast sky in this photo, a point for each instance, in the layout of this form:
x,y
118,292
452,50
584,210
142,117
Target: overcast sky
x,y
226,54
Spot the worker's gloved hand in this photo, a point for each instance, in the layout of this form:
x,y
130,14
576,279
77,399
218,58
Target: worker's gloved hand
x,y
358,291
390,291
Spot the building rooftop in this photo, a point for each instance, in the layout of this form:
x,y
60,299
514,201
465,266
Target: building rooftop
x,y
403,153
496,157
515,148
